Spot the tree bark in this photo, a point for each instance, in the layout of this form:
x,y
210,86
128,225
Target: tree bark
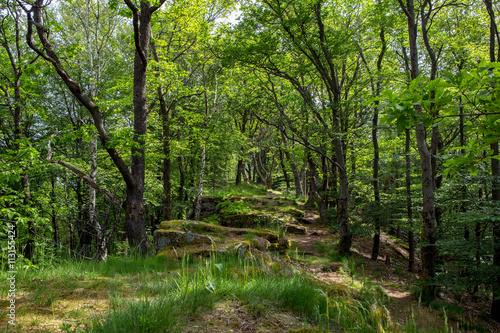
x,y
429,250
495,196
409,210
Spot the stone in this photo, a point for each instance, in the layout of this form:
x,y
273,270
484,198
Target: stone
x,y
283,244
177,238
245,221
198,226
306,220
208,206
241,249
296,213
260,243
295,229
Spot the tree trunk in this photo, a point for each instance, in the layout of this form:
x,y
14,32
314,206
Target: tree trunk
x,y
197,209
314,196
376,191
240,171
342,206
409,211
54,213
167,161
102,252
429,250
495,196
285,173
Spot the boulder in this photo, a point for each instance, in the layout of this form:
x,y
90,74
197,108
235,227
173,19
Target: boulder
x,y
306,220
208,206
245,221
283,244
177,238
260,243
198,227
296,213
295,229
241,249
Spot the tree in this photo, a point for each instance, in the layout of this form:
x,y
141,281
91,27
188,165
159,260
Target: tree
x,y
135,176
429,250
11,85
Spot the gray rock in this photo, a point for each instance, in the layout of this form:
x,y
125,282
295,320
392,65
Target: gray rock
x,y
295,229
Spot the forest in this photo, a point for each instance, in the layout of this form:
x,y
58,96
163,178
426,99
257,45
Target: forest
x,y
377,120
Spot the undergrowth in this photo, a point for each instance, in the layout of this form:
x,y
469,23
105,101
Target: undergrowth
x,y
153,295
245,190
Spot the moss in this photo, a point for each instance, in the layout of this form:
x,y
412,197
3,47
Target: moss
x,y
307,330
178,238
176,224
241,248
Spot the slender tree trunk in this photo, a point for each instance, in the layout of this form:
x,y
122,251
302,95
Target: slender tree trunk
x,y
239,172
54,213
342,206
285,173
376,191
495,170
102,252
197,209
409,211
314,196
429,250
495,196
167,161
376,153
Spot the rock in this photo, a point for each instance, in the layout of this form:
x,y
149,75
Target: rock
x,y
314,233
295,229
283,244
177,238
306,220
239,248
260,243
198,226
296,213
208,206
245,221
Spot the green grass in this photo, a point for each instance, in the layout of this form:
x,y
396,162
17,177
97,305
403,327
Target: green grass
x,y
154,295
236,207
166,304
245,190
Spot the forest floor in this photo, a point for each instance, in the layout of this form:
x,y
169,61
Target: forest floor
x,y
53,303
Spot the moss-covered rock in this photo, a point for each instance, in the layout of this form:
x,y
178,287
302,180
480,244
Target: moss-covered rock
x,y
245,221
283,244
178,238
296,213
198,226
260,243
241,248
295,229
187,251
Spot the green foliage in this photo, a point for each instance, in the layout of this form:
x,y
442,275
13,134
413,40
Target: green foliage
x,y
243,190
235,207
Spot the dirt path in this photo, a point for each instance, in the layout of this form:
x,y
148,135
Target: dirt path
x,y
404,306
